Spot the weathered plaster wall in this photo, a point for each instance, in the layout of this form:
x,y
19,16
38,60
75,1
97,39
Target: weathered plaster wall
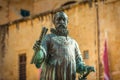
x,y
10,9
109,18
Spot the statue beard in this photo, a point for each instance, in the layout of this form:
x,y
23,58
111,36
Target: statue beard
x,y
61,30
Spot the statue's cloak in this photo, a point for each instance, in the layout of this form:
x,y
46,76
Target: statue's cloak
x,y
62,55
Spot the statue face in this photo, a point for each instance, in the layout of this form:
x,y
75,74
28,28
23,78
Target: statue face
x,y
60,20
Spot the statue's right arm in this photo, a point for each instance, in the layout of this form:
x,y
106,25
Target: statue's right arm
x,y
40,57
41,52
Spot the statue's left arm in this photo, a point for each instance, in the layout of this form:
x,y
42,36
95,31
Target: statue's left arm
x,y
80,65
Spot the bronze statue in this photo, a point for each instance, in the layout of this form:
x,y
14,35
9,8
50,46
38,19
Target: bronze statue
x,y
58,54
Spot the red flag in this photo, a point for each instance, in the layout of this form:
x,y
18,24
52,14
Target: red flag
x,y
105,62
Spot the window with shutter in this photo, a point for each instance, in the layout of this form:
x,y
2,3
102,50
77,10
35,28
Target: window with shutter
x,y
22,67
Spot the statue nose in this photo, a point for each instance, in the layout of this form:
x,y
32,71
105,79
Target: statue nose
x,y
61,21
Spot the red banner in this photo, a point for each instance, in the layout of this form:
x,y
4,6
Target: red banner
x,y
105,62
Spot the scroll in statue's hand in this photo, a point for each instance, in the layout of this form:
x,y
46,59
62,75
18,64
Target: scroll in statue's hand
x,y
36,46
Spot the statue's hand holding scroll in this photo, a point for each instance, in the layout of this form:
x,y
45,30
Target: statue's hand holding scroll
x,y
36,46
40,55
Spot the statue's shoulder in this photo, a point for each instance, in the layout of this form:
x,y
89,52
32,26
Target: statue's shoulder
x,y
70,38
73,40
49,36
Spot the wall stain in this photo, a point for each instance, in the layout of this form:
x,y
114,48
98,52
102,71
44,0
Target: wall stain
x,y
4,31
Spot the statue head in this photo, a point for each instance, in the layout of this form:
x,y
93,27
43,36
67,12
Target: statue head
x,y
60,21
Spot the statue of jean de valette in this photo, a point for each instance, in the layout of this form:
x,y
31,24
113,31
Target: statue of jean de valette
x,y
58,54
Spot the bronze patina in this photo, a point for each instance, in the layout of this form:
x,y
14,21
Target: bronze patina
x,y
59,55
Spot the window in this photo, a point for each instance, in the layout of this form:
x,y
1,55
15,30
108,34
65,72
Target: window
x,y
22,67
86,54
24,13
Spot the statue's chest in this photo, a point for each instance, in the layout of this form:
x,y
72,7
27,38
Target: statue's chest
x,y
60,47
61,41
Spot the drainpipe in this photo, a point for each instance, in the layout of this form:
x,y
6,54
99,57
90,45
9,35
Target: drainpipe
x,y
98,37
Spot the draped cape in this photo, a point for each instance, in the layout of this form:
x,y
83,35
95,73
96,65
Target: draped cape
x,y
62,55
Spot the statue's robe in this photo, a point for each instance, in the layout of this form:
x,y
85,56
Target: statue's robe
x,y
61,56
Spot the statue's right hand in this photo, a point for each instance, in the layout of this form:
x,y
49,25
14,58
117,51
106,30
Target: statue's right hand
x,y
36,46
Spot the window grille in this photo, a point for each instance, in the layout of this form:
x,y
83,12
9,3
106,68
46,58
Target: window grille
x,y
86,54
22,67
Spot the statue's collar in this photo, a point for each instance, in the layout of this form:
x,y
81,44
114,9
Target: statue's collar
x,y
52,30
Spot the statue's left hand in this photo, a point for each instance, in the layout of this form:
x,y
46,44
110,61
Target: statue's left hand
x,y
90,69
84,68
86,73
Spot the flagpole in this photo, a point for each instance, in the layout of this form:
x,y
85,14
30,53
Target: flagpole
x,y
98,38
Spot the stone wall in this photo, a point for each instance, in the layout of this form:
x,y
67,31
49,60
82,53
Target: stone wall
x,y
10,9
